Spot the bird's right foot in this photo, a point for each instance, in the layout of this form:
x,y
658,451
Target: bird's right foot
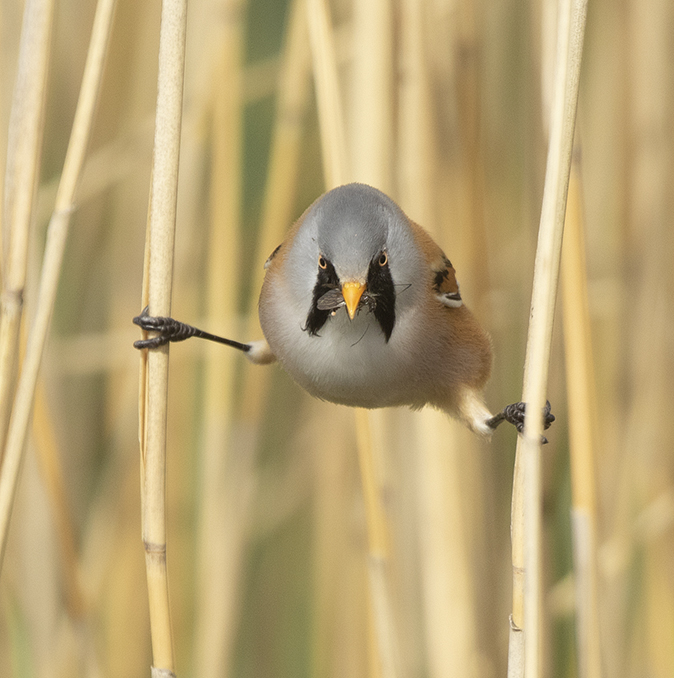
x,y
169,330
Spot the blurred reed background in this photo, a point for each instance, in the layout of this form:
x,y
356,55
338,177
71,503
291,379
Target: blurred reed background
x,y
443,108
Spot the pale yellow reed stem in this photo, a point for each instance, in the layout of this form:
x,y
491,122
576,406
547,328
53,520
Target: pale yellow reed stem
x,y
470,46
377,531
378,551
326,79
53,257
448,604
280,192
54,482
220,587
281,189
571,29
154,367
24,145
371,109
416,166
291,107
219,560
516,628
581,399
336,172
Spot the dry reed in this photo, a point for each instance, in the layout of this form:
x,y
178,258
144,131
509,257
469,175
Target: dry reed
x,y
336,172
24,146
57,233
154,365
218,558
329,102
582,429
526,519
460,106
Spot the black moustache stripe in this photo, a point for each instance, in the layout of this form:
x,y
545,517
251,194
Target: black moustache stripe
x,y
382,296
379,297
326,280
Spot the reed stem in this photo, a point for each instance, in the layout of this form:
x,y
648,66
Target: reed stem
x,y
24,147
582,433
326,79
154,367
57,233
571,29
219,560
53,479
371,109
378,550
336,172
291,108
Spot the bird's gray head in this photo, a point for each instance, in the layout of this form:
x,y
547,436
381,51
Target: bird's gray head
x,y
354,247
352,227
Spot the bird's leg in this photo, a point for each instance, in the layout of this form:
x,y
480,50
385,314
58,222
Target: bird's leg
x,y
170,330
514,414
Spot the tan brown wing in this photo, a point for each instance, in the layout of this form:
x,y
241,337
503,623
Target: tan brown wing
x,y
444,282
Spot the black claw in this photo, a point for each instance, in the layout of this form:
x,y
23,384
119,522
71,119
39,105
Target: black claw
x,y
548,417
514,414
154,342
168,328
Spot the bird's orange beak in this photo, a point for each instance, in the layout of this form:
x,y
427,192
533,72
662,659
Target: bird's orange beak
x,y
352,292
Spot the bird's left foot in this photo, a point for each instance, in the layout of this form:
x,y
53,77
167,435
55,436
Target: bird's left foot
x,y
514,414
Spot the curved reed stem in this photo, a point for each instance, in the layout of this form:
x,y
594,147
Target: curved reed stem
x,y
526,518
24,147
57,233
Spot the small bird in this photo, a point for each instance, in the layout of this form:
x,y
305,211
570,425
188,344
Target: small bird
x,y
362,308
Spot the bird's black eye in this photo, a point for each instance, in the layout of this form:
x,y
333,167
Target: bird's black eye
x,y
322,263
383,259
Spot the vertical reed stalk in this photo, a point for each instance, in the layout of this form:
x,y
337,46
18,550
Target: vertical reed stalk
x,y
470,45
293,98
277,214
371,128
416,169
516,621
218,561
24,146
581,398
234,506
371,144
57,233
378,549
291,107
449,608
52,476
154,367
448,605
571,28
326,79
336,171
646,439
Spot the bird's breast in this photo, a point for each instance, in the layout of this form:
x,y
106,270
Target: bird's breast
x,y
349,361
